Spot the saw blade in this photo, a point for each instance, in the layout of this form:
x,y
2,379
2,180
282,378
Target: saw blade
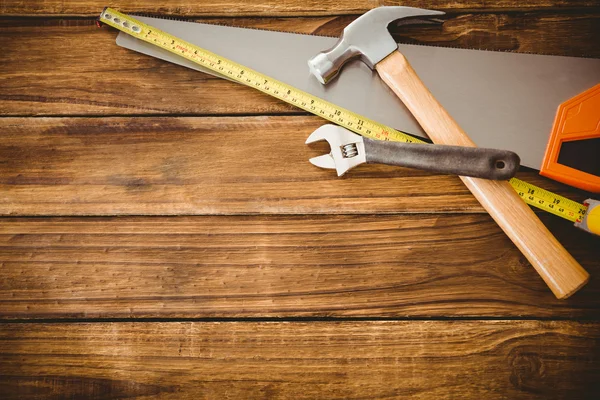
x,y
502,100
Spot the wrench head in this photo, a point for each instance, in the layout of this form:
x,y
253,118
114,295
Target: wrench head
x,y
347,148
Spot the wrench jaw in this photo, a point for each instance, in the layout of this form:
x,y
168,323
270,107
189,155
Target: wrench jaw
x,y
323,161
347,148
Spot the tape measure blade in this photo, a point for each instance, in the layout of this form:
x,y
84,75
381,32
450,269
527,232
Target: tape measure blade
x,y
548,201
127,41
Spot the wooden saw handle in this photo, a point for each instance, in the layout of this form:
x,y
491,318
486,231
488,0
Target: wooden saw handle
x,y
561,272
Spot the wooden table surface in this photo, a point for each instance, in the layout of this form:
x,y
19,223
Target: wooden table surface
x,y
162,234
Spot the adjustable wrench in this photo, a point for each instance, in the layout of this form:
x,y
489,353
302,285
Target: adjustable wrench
x,y
349,150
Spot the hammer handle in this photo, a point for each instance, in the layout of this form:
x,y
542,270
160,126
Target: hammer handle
x,y
561,272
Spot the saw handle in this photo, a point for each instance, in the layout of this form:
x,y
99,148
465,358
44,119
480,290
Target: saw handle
x,y
456,160
561,272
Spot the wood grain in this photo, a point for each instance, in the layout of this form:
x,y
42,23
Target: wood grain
x,y
288,266
333,360
268,7
73,68
80,70
174,166
408,252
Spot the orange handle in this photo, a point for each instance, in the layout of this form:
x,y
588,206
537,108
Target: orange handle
x,y
576,119
558,268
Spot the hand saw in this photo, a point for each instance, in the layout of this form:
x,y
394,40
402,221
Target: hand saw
x,y
531,194
504,100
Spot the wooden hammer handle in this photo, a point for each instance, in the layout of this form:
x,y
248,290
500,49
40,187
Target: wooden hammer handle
x,y
561,272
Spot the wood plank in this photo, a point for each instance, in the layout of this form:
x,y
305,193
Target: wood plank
x,y
568,34
94,76
334,360
290,266
266,7
90,75
174,166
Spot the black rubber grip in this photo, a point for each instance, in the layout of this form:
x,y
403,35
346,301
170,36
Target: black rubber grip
x,y
477,162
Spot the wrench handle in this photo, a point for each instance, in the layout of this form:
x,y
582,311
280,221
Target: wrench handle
x,y
476,162
561,272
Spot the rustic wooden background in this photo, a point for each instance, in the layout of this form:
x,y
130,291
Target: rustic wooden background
x,y
162,234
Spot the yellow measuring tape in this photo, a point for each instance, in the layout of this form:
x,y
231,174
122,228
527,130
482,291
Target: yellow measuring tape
x,y
531,194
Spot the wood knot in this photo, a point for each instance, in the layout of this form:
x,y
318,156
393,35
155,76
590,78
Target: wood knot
x,y
527,370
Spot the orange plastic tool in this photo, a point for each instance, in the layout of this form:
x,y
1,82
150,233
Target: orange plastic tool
x,y
576,119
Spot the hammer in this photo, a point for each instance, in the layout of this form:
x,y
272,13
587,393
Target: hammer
x,y
368,38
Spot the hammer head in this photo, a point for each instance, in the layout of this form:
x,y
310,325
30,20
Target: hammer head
x,y
367,37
